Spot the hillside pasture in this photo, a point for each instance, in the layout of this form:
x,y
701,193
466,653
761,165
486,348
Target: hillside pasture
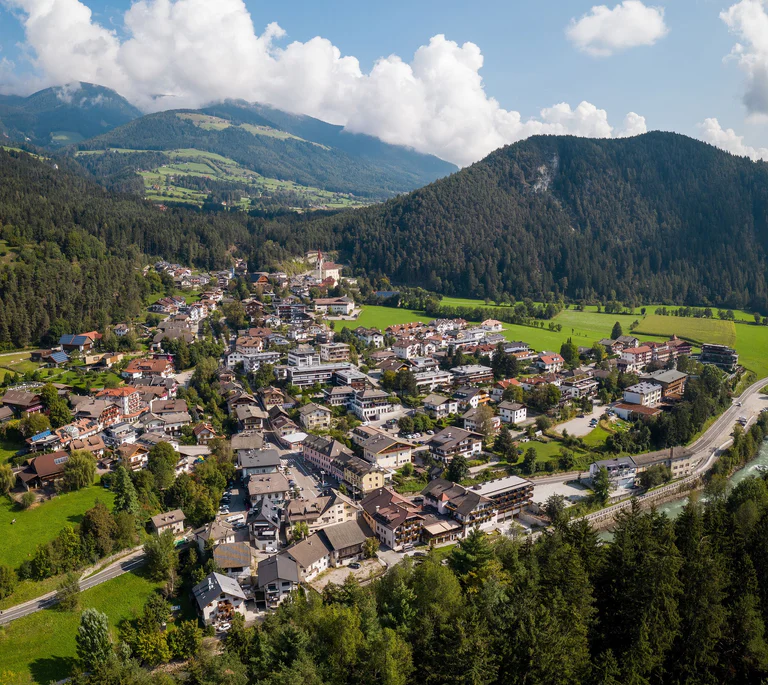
x,y
695,330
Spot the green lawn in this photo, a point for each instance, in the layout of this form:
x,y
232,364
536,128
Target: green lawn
x,y
381,317
695,330
43,522
752,346
8,448
596,437
40,648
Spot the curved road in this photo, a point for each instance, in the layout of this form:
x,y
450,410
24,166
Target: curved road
x,y
124,565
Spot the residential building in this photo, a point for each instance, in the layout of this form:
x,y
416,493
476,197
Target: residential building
x,y
278,577
439,406
219,598
370,336
644,393
432,379
672,382
512,412
551,362
334,352
204,433
310,375
247,440
273,486
169,521
371,405
509,495
636,358
336,306
472,373
361,476
127,398
497,391
452,441
216,532
250,417
339,396
578,387
468,508
312,556
387,452
628,341
315,417
100,411
143,368
394,520
681,461
474,417
407,348
631,412
42,470
321,512
22,402
721,356
132,456
323,453
234,559
303,356
470,398
621,470
257,462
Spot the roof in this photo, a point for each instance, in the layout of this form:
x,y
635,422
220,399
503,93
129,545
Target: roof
x,y
232,555
168,518
249,411
616,462
278,567
500,485
665,377
20,398
642,388
511,406
308,551
436,400
311,408
637,409
306,509
214,585
247,440
347,534
249,459
49,464
380,442
670,454
643,349
267,483
327,446
452,436
215,530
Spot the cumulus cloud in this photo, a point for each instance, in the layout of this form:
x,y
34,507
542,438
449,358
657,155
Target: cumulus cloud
x,y
748,21
604,31
727,139
186,53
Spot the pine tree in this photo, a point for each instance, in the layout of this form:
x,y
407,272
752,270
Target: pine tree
x,y
126,498
94,644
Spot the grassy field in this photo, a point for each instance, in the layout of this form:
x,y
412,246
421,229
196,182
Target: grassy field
x,y
8,448
695,330
40,648
381,317
752,346
43,522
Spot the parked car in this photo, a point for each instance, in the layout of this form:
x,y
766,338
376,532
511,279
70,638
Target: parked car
x,y
224,627
354,565
270,550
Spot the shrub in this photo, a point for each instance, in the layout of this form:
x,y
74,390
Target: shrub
x,y
28,499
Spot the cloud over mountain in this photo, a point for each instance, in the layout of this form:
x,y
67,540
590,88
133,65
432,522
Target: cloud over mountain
x,y
186,53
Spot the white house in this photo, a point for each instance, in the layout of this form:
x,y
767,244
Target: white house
x,y
219,598
644,393
513,412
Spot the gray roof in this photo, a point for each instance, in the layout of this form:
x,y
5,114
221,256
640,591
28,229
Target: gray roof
x,y
249,459
207,590
308,551
347,534
278,567
247,440
168,518
311,408
662,376
267,484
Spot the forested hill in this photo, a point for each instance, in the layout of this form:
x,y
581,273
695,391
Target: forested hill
x,y
59,116
262,140
657,217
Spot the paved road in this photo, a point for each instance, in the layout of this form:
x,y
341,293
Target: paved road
x,y
124,565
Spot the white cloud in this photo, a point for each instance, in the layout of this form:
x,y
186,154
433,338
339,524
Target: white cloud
x,y
604,31
748,20
186,53
727,139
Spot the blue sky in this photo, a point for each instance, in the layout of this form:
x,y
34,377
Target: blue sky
x,y
529,62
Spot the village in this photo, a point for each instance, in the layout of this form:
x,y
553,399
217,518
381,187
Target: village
x,y
353,447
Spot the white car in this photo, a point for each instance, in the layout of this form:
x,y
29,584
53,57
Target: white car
x,y
270,550
223,627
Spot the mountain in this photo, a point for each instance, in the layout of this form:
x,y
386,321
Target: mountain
x,y
655,218
280,146
59,116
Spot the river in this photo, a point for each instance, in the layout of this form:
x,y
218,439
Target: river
x,y
673,508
